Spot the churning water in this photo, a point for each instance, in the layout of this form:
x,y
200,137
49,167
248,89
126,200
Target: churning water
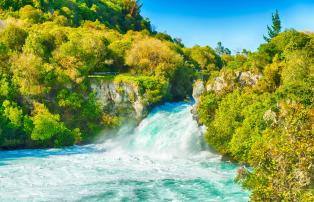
x,y
161,160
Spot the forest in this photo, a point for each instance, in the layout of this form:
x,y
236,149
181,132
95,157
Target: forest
x,y
48,50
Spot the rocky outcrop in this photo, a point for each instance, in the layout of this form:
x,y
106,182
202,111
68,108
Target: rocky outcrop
x,y
248,78
232,80
120,98
198,90
2,24
226,81
129,97
218,84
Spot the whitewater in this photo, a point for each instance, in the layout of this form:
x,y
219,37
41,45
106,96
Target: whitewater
x,y
163,159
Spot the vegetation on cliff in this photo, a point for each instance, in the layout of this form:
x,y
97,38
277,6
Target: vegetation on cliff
x,y
258,106
50,49
266,119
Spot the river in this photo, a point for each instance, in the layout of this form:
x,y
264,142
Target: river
x,y
163,159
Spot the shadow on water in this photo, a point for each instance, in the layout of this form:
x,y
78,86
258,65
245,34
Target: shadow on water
x,y
146,190
124,168
7,156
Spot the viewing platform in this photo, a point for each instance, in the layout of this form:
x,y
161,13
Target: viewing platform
x,y
103,74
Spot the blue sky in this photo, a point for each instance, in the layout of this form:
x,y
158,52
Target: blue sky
x,y
237,24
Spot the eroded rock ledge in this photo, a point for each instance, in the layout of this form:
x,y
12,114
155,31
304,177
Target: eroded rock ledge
x,y
120,98
127,96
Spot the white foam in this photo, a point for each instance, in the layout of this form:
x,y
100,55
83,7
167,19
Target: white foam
x,y
161,160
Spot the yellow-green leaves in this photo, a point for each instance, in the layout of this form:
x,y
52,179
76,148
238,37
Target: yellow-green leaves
x,y
205,57
28,72
13,113
269,125
153,57
13,37
83,53
4,87
31,14
46,125
49,129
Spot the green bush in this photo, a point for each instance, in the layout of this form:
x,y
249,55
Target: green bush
x,y
13,37
269,125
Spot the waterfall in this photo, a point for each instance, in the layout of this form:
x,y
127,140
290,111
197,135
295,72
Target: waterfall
x,y
162,159
169,130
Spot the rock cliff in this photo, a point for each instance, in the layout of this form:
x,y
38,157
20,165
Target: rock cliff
x,y
127,96
120,98
223,82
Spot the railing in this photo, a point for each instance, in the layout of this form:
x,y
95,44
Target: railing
x,y
105,73
202,74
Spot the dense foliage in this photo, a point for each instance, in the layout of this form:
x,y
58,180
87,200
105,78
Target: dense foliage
x,y
266,118
258,106
122,15
48,50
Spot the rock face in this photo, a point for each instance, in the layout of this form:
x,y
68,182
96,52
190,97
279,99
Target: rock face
x,y
241,79
229,81
248,78
198,90
120,98
218,85
1,24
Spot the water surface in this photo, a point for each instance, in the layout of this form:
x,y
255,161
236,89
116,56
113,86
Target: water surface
x,y
163,159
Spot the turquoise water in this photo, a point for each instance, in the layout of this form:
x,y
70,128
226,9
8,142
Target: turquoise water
x,y
163,159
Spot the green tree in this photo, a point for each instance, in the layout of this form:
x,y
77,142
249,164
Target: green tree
x,y
13,37
182,82
82,54
48,129
153,57
205,57
14,125
39,44
28,74
4,58
275,28
221,50
283,159
31,14
14,4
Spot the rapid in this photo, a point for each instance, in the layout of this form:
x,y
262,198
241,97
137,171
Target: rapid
x,y
163,159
